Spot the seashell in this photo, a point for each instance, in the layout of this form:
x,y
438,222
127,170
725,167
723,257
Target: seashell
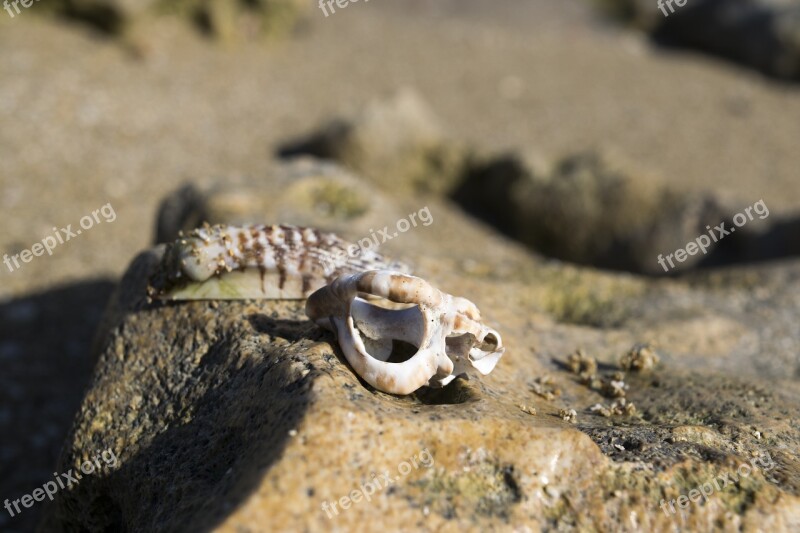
x,y
446,330
258,261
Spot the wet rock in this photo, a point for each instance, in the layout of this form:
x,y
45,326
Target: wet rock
x,y
244,415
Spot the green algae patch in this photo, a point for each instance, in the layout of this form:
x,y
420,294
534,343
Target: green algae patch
x,y
584,297
485,486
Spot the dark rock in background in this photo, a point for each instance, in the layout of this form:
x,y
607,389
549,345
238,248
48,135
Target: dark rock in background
x,y
589,208
592,210
761,34
396,142
227,20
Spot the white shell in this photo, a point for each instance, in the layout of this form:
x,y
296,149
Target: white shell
x,y
446,330
258,261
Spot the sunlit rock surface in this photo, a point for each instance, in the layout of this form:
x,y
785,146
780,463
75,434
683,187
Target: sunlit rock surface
x,y
244,416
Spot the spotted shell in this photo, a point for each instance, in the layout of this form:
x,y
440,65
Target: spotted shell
x,y
257,261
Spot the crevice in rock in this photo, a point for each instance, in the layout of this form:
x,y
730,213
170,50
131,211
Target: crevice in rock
x,y
585,210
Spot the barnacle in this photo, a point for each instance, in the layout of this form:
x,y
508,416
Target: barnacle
x,y
640,358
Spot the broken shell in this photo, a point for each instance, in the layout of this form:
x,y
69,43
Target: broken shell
x,y
445,330
272,262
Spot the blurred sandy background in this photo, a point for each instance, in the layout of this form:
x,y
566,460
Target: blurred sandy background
x,y
84,123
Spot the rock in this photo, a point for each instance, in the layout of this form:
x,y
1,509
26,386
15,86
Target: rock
x,y
593,209
397,143
181,210
589,208
304,192
228,20
111,16
243,415
236,20
762,34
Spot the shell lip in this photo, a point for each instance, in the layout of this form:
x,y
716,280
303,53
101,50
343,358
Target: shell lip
x,y
447,331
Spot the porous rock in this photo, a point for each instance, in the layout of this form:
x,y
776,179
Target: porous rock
x,y
244,415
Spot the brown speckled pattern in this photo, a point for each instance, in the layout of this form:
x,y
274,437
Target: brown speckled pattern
x,y
290,252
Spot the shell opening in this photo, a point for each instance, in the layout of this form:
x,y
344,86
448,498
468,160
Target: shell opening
x,y
376,322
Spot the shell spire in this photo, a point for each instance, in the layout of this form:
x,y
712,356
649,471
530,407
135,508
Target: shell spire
x,y
257,261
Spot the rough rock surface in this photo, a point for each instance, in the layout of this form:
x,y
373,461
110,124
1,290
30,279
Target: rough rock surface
x,y
243,415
